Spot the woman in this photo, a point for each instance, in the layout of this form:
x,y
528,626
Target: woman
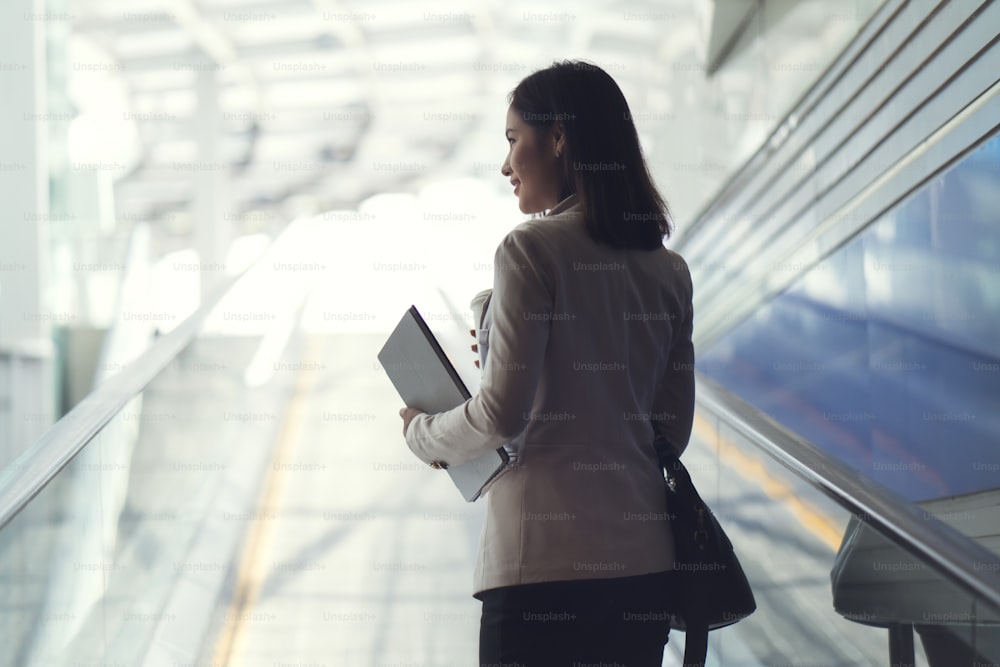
x,y
590,346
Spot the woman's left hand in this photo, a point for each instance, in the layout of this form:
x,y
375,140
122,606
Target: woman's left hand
x,y
408,414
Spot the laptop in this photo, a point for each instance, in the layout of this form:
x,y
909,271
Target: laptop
x,y
426,379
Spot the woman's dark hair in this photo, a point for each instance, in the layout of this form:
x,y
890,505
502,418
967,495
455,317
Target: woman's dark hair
x,y
602,161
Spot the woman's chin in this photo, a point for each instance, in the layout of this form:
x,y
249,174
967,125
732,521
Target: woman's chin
x,y
528,207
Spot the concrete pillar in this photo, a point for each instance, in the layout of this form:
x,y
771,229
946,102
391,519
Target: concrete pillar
x,y
212,226
26,317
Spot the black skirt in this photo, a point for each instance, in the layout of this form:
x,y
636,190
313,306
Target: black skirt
x,y
621,621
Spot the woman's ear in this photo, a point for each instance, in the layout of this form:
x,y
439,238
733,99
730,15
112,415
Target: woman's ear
x,y
558,138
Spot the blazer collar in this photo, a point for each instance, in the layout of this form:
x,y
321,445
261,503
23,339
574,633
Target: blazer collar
x,y
565,204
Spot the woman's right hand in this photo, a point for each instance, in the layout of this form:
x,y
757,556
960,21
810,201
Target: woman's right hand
x,y
475,347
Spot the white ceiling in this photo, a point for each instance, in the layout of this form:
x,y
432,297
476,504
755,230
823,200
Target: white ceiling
x,y
335,101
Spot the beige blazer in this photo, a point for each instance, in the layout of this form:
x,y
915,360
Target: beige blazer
x,y
587,345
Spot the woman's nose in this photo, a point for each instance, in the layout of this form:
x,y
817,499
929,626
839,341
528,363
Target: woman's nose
x,y
505,168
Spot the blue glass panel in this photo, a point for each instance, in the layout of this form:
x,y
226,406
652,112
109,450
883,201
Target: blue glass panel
x,y
887,353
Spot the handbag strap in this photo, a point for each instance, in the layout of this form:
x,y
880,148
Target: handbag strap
x,y
695,645
696,634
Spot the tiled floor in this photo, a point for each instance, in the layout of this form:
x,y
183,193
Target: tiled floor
x,y
369,559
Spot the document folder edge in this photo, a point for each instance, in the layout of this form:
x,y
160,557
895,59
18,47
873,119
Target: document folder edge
x,y
431,339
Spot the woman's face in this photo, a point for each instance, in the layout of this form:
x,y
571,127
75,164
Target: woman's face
x,y
533,163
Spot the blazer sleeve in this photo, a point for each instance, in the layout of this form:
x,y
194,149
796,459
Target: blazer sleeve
x,y
521,308
674,408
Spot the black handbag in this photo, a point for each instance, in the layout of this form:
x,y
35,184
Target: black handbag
x,y
712,589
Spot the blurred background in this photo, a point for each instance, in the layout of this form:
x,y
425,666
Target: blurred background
x,y
214,211
206,128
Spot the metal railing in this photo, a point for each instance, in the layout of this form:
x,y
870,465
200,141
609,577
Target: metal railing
x,y
945,549
26,476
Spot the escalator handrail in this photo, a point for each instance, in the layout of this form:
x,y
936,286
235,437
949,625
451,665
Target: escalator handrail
x,y
26,476
943,548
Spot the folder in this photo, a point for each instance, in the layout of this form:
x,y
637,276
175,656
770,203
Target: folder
x,y
426,380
